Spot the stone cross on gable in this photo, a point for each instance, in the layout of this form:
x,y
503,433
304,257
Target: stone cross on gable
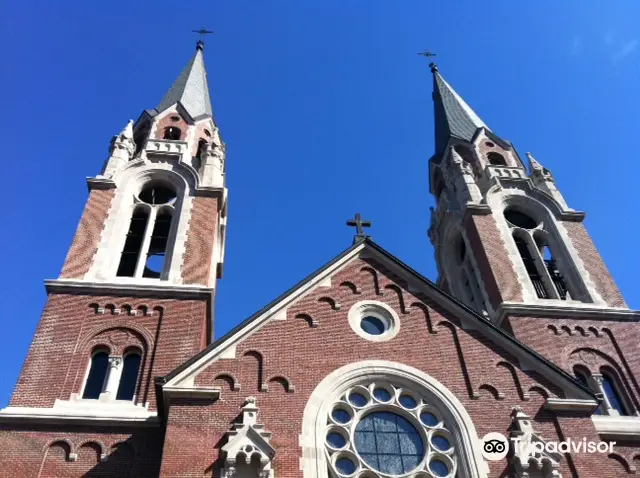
x,y
359,224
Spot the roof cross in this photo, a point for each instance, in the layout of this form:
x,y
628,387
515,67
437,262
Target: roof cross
x,y
359,224
427,54
203,31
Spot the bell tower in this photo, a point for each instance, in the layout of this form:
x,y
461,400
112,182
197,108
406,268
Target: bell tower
x,y
136,293
505,239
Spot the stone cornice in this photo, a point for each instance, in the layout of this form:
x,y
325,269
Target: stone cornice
x,y
51,416
563,310
129,289
100,183
170,392
572,405
617,427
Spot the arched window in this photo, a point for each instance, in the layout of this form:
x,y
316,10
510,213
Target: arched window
x,y
156,194
496,159
613,393
584,376
129,377
539,242
147,241
172,132
133,242
531,267
552,268
96,379
158,245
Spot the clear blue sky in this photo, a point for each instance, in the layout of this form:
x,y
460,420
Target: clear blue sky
x,y
326,110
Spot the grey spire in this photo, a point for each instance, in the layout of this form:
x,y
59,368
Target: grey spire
x,y
190,89
453,117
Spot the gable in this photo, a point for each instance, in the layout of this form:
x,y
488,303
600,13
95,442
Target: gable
x,y
305,334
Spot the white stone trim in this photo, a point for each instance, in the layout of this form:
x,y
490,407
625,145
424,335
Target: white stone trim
x,y
570,404
135,288
314,423
83,410
617,427
191,392
564,308
128,182
377,309
499,199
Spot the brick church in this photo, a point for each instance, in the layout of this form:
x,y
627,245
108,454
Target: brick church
x,y
365,368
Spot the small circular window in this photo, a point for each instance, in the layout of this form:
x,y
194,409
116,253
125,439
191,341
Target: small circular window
x,y
157,194
520,219
373,325
374,320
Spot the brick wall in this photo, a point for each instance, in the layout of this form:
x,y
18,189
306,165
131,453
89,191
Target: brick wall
x,y
87,237
594,264
429,339
496,268
201,238
59,355
167,121
487,145
592,343
45,451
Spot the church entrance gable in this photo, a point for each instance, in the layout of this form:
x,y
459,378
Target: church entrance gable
x,y
366,304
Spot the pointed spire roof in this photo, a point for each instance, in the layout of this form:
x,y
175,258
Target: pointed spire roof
x,y
453,117
190,89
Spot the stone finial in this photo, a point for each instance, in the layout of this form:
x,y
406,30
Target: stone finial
x,y
121,150
250,411
127,131
533,164
212,156
536,167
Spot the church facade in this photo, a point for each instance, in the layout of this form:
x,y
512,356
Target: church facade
x,y
365,368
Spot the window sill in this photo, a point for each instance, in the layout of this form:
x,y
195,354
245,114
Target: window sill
x,y
617,427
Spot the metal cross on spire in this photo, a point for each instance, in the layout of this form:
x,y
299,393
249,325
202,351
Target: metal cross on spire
x,y
203,31
427,54
359,224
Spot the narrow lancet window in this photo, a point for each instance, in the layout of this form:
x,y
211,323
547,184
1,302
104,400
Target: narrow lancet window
x,y
612,393
158,245
133,243
556,277
97,375
530,266
129,377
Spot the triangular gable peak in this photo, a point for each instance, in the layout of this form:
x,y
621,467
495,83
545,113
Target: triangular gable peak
x,y
319,312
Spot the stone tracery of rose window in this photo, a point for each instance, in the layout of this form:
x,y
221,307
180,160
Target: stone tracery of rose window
x,y
381,429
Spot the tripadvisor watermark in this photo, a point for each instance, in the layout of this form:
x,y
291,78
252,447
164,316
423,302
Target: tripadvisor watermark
x,y
495,446
567,446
